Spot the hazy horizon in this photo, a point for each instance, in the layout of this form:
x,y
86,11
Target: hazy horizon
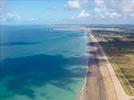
x,y
21,12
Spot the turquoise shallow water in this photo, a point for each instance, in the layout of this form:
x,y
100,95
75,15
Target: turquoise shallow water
x,y
39,63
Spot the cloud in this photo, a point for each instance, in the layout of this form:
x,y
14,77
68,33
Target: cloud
x,y
2,6
127,6
122,6
103,9
73,4
83,1
10,17
82,15
6,15
13,16
114,15
99,2
113,8
105,13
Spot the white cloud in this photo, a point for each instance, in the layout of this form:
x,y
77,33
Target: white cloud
x,y
2,6
102,9
99,2
82,15
114,8
105,13
10,17
106,9
13,17
73,4
127,6
114,15
83,1
7,16
118,5
100,12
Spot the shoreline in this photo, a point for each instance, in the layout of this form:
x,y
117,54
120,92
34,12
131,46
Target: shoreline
x,y
82,91
111,88
95,89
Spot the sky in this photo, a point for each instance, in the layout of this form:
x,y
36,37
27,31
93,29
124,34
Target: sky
x,y
67,11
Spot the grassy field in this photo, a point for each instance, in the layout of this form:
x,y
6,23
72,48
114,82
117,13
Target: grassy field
x,y
120,52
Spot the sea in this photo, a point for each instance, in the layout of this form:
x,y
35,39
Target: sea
x,y
40,62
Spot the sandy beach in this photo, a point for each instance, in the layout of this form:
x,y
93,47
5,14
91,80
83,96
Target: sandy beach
x,y
101,82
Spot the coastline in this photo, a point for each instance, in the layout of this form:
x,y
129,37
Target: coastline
x,y
84,86
109,86
94,86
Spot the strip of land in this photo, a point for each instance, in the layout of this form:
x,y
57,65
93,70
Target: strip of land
x,y
101,82
119,48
